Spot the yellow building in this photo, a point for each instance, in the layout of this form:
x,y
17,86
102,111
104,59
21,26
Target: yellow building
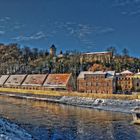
x,y
125,81
136,82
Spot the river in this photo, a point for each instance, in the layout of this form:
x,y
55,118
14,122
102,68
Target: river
x,y
50,121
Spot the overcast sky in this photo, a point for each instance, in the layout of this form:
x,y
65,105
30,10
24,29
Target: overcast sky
x,y
85,25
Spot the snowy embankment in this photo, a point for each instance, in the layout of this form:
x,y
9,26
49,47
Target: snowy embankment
x,y
11,131
124,106
116,105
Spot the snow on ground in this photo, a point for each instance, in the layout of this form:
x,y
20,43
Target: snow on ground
x,y
11,131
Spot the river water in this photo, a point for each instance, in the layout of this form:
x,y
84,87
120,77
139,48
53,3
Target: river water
x,y
50,121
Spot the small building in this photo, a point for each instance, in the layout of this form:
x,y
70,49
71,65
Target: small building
x,y
97,82
15,80
136,82
34,80
3,79
60,82
125,81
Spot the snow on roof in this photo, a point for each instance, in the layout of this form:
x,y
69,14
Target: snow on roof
x,y
111,73
15,80
100,72
3,79
117,74
34,80
126,72
82,74
105,52
137,73
108,73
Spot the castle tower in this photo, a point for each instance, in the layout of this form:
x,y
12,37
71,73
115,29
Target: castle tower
x,y
53,50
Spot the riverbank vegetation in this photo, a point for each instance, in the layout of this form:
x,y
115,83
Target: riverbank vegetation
x,y
69,94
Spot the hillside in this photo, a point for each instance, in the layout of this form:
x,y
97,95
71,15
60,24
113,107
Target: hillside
x,y
17,60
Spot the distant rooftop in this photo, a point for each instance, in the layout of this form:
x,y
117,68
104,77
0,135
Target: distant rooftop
x,y
105,52
108,73
126,72
82,74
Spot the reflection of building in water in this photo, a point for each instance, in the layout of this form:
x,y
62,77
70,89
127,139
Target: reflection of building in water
x,y
104,57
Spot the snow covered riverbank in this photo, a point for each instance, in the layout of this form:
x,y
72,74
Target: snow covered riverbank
x,y
11,131
117,105
124,106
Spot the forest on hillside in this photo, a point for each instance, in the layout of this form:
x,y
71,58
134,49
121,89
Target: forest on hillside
x,y
20,60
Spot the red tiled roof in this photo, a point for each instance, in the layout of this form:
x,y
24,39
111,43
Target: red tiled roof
x,y
3,79
57,80
35,79
15,80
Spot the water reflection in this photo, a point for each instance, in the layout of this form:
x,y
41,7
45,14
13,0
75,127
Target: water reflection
x,y
49,121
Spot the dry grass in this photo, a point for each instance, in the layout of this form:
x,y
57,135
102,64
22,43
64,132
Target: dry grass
x,y
75,94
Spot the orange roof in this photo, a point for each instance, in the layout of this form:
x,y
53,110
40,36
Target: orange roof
x,y
57,80
34,80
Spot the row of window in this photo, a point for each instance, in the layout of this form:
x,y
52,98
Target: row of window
x,y
99,91
98,84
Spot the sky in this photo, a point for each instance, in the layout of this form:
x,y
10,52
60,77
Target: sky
x,y
82,25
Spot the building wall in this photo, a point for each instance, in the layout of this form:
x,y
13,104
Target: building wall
x,y
71,84
81,85
125,83
101,57
136,84
96,84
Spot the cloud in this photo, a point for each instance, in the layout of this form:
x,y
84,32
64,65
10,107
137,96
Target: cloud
x,y
83,33
128,7
37,36
4,19
136,11
2,32
106,30
125,2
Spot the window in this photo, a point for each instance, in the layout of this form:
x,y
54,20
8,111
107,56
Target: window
x,y
137,84
89,84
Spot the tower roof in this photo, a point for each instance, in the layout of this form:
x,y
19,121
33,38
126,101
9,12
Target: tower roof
x,y
53,46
